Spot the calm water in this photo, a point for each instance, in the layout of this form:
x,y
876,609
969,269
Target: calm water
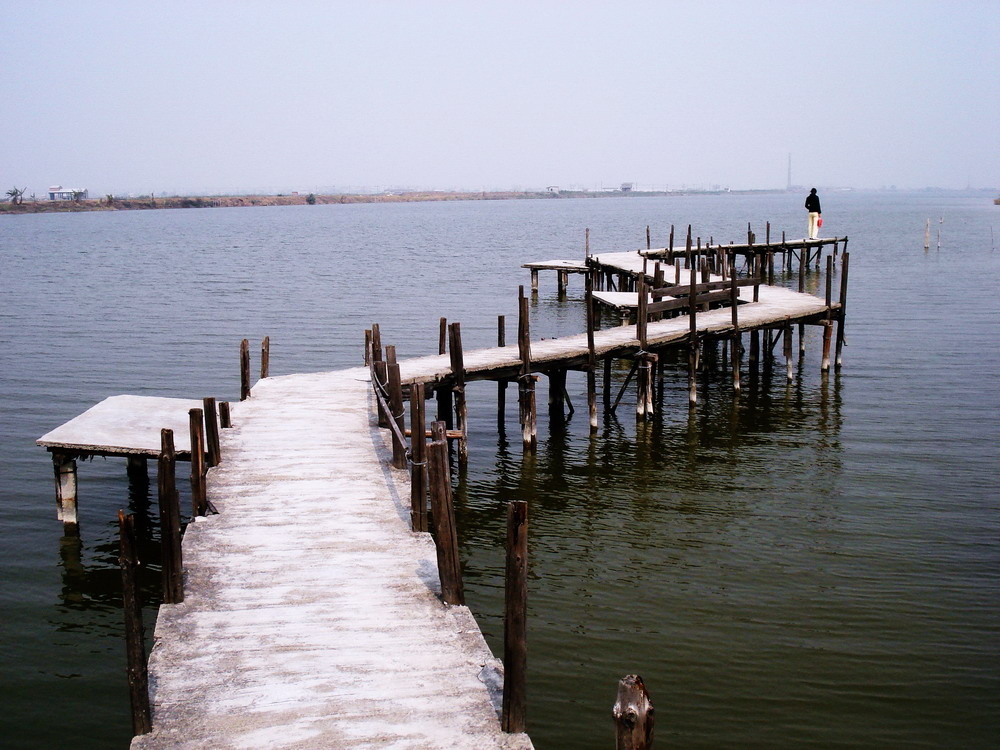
x,y
814,565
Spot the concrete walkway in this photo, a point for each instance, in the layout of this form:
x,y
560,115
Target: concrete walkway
x,y
311,617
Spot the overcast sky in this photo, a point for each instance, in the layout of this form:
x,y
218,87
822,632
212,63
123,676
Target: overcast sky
x,y
237,96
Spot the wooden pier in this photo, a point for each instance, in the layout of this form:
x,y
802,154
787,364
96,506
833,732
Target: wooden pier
x,y
313,608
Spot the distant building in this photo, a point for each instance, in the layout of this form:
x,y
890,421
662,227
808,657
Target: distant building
x,y
626,187
57,193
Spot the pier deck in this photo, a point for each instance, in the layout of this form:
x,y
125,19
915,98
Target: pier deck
x,y
311,617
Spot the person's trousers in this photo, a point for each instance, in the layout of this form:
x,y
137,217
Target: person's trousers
x,y
813,225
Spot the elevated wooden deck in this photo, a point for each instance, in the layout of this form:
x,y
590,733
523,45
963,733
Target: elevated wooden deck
x,y
311,617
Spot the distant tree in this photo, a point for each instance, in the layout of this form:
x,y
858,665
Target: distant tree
x,y
109,199
311,199
16,195
77,196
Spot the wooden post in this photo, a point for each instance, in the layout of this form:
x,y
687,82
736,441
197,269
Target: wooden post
x,y
515,648
534,281
828,324
526,382
170,521
418,456
591,357
737,343
380,376
692,338
368,347
376,342
442,335
502,383
458,373
633,714
212,442
557,391
199,496
135,636
787,350
443,513
244,370
842,313
563,281
265,357
64,466
397,416
137,468
225,418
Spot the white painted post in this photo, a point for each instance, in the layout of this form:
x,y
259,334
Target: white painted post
x,y
65,475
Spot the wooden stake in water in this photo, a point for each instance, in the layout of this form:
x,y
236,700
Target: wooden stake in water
x,y
515,650
633,714
135,634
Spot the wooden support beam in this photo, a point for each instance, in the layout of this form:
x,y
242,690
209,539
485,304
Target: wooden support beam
x,y
380,381
368,347
418,458
645,367
534,281
199,494
213,443
265,357
135,634
842,313
633,714
692,338
244,370
376,342
442,335
170,521
502,382
443,515
137,469
737,342
64,467
787,350
515,650
395,387
458,373
828,324
225,416
591,315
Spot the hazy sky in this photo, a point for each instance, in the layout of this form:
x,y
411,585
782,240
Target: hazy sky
x,y
234,96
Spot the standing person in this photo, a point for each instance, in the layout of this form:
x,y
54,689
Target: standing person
x,y
812,206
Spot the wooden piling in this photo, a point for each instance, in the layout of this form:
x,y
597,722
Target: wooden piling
x,y
170,521
213,444
199,496
458,373
395,388
380,377
244,370
515,649
368,347
135,634
225,417
736,340
526,381
828,323
502,382
64,467
418,458
591,314
633,714
842,313
265,357
692,337
443,514
787,350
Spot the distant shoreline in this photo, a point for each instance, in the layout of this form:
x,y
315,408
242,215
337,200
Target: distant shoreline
x,y
145,203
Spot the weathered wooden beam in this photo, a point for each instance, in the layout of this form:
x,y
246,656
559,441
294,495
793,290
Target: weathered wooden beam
x,y
265,357
213,443
244,370
633,714
515,650
64,467
170,521
418,459
458,374
199,495
844,263
225,416
395,388
135,634
443,514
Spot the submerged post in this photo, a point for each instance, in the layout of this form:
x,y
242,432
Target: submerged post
x,y
633,714
515,648
135,636
170,521
443,513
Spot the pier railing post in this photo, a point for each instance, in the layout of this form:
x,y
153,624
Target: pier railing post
x,y
199,497
842,313
418,458
225,417
135,639
515,650
396,406
213,444
265,357
633,715
244,370
458,373
443,514
170,521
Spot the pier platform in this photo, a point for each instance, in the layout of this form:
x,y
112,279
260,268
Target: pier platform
x,y
311,616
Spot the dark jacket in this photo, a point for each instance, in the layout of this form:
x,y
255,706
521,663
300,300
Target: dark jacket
x,y
812,203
